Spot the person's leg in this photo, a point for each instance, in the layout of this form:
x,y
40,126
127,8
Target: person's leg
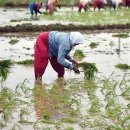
x,y
41,55
85,8
31,9
95,4
51,9
80,7
57,67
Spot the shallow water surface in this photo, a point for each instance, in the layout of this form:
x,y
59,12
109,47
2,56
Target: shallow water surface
x,y
76,103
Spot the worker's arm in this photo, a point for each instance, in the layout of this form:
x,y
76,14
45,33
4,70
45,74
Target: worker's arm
x,y
63,55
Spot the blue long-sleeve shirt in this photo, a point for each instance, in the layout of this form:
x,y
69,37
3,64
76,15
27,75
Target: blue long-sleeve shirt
x,y
60,46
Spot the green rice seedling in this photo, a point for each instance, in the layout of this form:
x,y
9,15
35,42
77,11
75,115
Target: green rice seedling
x,y
89,70
25,62
114,110
13,41
95,107
125,120
7,103
69,120
5,66
93,45
24,112
22,90
126,93
122,66
4,10
15,20
2,125
121,35
113,127
69,128
91,87
16,126
78,54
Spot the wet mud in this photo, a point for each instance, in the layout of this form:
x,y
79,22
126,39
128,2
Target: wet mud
x,y
60,27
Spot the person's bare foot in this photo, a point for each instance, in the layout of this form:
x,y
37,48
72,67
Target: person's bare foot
x,y
38,80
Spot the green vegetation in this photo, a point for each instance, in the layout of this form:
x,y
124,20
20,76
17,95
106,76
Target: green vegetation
x,y
89,70
123,66
104,17
69,128
20,20
69,120
54,106
78,54
13,41
93,45
25,62
5,66
121,35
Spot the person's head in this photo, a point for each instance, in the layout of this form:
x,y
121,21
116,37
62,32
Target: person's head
x,y
76,38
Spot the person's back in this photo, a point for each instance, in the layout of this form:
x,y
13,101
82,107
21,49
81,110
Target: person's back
x,y
52,1
37,6
56,39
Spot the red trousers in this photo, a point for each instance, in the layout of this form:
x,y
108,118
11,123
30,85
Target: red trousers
x,y
126,3
81,6
41,57
98,4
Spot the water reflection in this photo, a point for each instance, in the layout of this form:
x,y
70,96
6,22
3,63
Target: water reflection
x,y
52,104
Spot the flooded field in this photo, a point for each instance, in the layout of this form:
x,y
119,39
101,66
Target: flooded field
x,y
14,16
73,103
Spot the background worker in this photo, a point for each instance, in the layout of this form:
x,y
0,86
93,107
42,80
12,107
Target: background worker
x,y
55,47
51,5
83,4
35,7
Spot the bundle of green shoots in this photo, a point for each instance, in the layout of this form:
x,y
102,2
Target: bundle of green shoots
x,y
89,69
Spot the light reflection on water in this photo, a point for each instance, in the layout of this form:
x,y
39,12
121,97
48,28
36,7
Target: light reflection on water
x,y
104,56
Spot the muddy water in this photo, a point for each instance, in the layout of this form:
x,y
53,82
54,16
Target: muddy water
x,y
104,56
23,14
23,50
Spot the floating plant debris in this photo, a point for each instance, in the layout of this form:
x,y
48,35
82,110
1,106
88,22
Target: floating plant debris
x,y
25,62
123,66
78,54
13,41
121,35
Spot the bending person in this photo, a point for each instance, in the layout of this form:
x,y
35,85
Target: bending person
x,y
55,47
35,7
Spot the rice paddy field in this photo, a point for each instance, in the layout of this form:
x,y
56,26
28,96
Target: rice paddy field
x,y
75,102
14,16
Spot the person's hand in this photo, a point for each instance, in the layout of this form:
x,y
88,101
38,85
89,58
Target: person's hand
x,y
76,70
75,63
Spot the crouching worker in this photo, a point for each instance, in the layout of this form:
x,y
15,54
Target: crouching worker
x,y
84,4
55,47
35,7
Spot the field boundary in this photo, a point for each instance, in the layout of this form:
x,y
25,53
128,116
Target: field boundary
x,y
60,27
